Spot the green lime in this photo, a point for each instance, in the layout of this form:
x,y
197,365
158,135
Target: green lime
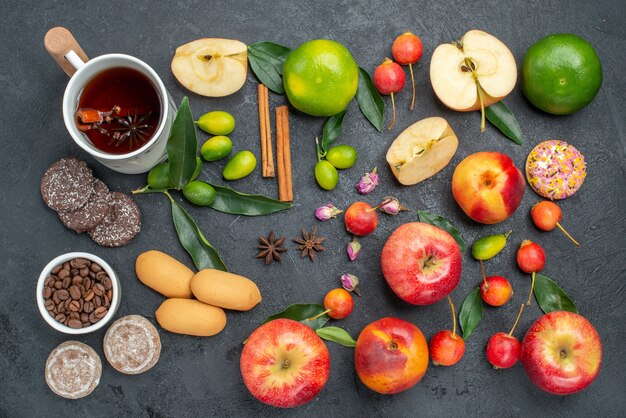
x,y
342,156
320,77
199,193
326,175
159,176
242,164
217,123
561,74
489,246
216,148
198,169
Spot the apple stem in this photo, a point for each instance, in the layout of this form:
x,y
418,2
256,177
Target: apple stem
x,y
567,234
453,316
318,315
482,269
393,118
413,82
482,107
519,314
532,286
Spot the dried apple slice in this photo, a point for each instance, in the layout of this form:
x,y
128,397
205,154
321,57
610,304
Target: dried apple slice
x,y
211,67
422,150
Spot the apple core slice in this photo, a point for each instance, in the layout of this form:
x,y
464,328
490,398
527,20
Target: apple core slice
x,y
211,67
422,150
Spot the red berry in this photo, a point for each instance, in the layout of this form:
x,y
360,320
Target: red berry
x,y
497,291
339,303
503,350
407,49
388,77
530,257
361,219
546,215
446,349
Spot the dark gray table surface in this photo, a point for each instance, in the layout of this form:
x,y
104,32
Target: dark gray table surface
x,y
200,376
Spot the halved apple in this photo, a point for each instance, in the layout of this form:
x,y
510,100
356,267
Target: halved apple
x,y
473,73
211,67
422,150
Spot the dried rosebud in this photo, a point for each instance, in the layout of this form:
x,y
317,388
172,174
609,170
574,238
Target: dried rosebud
x,y
391,206
350,283
368,182
354,248
324,213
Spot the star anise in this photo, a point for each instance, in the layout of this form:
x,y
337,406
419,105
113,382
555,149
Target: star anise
x,y
134,128
270,248
309,244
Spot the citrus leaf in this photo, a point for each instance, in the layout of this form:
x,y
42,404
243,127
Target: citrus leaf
x,y
471,313
370,102
182,146
332,130
267,60
443,223
231,201
551,297
502,118
301,312
337,335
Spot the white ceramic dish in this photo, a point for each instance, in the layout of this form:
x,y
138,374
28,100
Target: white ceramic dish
x,y
115,302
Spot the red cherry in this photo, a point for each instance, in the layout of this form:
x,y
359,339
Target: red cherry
x,y
389,79
496,290
546,216
338,303
446,348
503,350
407,50
530,257
361,219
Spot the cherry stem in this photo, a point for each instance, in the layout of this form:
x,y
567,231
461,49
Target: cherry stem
x,y
532,286
482,269
519,314
393,106
453,316
318,315
413,82
567,234
318,149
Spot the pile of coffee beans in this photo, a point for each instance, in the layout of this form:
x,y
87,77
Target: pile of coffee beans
x,y
78,293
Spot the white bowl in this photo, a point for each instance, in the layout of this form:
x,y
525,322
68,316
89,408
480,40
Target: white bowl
x,y
115,302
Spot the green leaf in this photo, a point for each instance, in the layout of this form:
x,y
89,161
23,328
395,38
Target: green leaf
x,y
502,118
301,312
230,201
443,223
551,297
267,60
471,313
191,238
332,130
182,146
370,102
336,335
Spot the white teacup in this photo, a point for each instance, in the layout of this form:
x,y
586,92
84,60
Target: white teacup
x,y
72,59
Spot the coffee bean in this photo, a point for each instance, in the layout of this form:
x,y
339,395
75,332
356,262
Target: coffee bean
x,y
66,303
52,313
97,300
74,306
67,282
106,302
74,323
62,294
101,312
56,269
75,292
80,263
87,283
95,267
66,321
58,284
47,292
92,318
77,280
81,304
110,294
55,298
88,307
107,283
66,266
101,275
84,317
84,272
49,305
92,275
60,318
63,273
49,282
88,295
74,272
98,289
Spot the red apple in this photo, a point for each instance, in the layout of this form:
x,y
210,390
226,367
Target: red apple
x,y
446,348
391,355
284,363
562,353
421,263
488,187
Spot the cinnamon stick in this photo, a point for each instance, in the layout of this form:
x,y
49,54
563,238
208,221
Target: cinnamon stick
x,y
283,155
267,156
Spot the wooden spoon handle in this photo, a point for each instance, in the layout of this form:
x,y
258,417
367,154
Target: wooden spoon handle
x,y
59,42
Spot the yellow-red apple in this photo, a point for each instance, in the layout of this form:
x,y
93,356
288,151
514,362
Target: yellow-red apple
x,y
284,363
488,186
391,355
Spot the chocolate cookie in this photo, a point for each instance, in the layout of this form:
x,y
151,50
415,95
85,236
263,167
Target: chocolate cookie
x,y
121,223
132,345
73,370
67,185
94,211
